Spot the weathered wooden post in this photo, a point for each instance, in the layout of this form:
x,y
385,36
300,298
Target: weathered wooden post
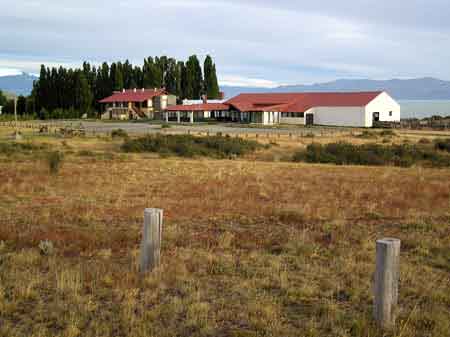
x,y
151,239
386,281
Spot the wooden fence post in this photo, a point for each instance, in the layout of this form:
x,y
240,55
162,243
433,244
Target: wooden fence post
x,y
151,239
386,281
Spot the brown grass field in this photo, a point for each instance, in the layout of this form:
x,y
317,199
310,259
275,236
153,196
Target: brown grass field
x,y
251,247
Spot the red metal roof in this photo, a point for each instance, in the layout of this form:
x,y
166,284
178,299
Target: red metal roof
x,y
200,107
133,95
300,102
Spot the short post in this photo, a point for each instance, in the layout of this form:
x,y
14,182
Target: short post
x,y
386,282
151,239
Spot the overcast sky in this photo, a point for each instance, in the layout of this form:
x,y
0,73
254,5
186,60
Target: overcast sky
x,y
254,42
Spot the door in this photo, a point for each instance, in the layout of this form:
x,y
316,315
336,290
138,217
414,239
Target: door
x,y
309,119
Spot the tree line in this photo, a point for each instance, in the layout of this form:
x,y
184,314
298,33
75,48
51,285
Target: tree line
x,y
70,93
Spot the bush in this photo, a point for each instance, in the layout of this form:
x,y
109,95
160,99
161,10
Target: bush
x,y
165,126
54,160
387,133
367,135
10,148
119,133
424,141
442,144
190,146
371,154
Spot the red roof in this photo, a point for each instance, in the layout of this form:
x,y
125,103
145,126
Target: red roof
x,y
300,102
199,107
133,95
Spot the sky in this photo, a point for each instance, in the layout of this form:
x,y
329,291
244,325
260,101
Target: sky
x,y
262,43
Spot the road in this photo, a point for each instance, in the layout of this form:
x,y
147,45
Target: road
x,y
145,128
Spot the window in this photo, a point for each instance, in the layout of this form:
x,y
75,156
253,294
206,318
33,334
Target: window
x,y
390,113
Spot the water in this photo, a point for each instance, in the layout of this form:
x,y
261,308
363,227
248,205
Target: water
x,y
424,108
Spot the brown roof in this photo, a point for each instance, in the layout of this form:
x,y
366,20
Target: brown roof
x,y
299,102
199,107
134,95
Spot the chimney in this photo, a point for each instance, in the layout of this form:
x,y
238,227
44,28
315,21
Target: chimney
x,y
205,99
134,89
123,90
154,89
143,89
221,95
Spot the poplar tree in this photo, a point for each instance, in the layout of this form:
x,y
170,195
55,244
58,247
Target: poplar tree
x,y
194,78
211,87
64,92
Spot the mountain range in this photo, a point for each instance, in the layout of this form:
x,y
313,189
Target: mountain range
x,y
18,84
426,88
409,89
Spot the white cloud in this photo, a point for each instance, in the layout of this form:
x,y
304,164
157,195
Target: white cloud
x,y
283,41
239,81
9,72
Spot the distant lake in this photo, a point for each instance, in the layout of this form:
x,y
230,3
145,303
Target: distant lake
x,y
424,108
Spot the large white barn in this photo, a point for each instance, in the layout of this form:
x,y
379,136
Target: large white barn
x,y
358,109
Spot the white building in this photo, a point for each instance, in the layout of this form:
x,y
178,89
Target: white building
x,y
357,109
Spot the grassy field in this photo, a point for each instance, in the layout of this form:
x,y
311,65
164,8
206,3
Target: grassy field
x,y
256,246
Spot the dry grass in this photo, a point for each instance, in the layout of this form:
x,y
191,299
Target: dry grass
x,y
249,248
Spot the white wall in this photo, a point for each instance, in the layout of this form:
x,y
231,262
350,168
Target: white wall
x,y
383,104
339,116
270,117
292,120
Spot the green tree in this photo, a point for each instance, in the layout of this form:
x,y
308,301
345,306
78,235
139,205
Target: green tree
x,y
211,85
21,105
118,78
2,99
171,76
84,94
194,78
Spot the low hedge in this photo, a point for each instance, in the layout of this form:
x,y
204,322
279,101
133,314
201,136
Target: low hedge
x,y
404,155
190,146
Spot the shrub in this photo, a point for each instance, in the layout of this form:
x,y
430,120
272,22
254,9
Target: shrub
x,y
119,133
442,144
388,133
165,126
190,146
371,154
10,148
424,141
54,160
367,135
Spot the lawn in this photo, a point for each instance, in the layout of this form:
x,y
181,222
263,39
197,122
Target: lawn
x,y
251,247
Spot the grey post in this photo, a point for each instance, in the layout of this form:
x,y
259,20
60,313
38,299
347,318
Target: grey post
x,y
386,282
151,239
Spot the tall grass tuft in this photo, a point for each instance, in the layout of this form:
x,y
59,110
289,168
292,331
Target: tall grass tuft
x,y
54,161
